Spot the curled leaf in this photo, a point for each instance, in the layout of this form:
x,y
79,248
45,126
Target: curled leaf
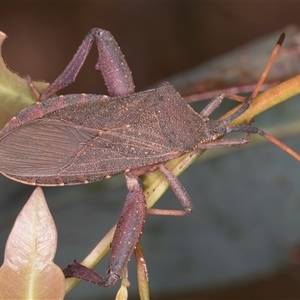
x,y
28,271
15,93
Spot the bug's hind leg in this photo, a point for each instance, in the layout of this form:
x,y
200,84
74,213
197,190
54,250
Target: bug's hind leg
x,y
111,63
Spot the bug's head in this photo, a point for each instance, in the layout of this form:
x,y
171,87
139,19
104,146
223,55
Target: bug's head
x,y
214,129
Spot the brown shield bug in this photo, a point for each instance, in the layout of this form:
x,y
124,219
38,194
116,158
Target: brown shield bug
x,y
74,139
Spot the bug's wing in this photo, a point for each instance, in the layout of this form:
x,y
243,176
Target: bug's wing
x,y
48,148
114,151
42,147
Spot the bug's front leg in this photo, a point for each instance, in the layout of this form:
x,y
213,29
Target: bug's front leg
x,y
111,63
128,232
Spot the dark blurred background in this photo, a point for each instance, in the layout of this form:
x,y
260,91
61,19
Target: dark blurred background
x,y
159,39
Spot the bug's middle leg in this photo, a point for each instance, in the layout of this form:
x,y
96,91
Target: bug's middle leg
x,y
179,191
